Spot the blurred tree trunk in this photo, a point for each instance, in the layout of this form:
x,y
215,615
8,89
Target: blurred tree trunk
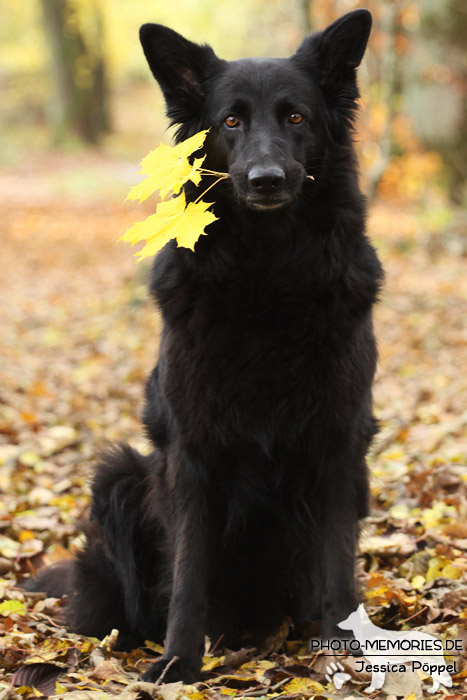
x,y
305,9
445,24
389,81
80,105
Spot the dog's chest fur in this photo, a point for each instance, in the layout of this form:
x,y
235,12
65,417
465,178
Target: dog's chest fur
x,y
251,343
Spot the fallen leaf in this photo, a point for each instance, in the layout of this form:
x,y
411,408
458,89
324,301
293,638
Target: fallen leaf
x,y
305,687
397,542
158,648
407,684
210,662
41,676
109,671
458,530
170,691
12,607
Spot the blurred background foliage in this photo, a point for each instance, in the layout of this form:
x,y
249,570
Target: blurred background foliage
x,y
73,77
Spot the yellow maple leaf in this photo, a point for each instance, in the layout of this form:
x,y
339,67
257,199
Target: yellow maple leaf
x,y
173,219
304,687
195,219
167,168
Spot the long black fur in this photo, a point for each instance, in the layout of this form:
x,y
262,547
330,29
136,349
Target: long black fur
x,y
260,405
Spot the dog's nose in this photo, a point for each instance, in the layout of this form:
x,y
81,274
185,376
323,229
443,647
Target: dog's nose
x,y
266,180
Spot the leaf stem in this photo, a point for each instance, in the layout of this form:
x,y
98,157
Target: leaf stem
x,y
223,177
206,171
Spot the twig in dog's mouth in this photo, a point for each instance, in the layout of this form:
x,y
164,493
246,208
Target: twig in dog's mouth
x,y
220,176
206,171
223,176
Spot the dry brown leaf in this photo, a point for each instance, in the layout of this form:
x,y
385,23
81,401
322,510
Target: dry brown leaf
x,y
403,684
109,671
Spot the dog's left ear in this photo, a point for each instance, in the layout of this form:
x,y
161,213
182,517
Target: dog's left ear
x,y
338,50
181,67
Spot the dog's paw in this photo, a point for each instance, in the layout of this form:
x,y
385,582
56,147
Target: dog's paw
x,y
185,670
336,675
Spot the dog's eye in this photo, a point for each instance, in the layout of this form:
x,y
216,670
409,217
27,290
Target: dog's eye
x,y
296,118
232,121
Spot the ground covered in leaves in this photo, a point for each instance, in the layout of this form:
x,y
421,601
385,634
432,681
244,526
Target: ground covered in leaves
x,y
79,337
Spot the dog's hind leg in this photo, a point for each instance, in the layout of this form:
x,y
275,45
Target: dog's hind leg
x,y
124,544
113,582
96,602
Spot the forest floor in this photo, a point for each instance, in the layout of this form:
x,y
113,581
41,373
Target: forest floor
x,y
79,337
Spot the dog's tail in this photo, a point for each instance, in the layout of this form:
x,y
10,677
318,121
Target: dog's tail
x,y
55,580
108,583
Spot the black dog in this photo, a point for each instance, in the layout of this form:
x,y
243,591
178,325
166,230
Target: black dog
x,y
260,406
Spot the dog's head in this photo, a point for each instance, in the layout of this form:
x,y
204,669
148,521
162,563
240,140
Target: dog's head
x,y
271,120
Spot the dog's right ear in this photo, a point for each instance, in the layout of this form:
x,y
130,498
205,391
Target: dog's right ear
x,y
181,68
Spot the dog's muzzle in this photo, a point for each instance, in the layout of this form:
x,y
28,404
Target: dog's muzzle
x,y
266,188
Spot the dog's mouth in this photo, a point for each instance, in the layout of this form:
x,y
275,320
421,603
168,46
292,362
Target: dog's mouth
x,y
267,203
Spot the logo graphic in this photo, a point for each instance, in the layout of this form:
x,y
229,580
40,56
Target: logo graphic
x,y
394,651
338,675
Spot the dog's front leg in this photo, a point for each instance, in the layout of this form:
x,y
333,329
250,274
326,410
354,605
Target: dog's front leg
x,y
186,625
338,566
